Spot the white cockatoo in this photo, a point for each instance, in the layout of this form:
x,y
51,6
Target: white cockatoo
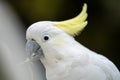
x,y
62,56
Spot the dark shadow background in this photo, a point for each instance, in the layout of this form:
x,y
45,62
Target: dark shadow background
x,y
102,33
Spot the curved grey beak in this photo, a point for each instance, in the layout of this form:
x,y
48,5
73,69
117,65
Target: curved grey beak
x,y
34,50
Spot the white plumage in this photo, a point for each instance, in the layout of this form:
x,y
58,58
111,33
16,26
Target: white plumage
x,y
66,59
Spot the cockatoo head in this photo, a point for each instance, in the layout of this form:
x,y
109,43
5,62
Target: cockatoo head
x,y
39,36
45,36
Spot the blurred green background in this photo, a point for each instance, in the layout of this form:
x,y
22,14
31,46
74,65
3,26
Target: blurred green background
x,y
102,33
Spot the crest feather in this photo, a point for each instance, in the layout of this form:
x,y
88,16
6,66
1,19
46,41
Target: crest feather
x,y
75,25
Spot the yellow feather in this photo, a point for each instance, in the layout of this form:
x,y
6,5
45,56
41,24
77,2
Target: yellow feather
x,y
75,25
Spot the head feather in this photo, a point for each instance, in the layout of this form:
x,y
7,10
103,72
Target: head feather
x,y
75,25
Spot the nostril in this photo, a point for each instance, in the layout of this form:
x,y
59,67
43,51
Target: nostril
x,y
33,39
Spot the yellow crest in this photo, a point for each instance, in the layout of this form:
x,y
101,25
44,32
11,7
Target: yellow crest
x,y
75,25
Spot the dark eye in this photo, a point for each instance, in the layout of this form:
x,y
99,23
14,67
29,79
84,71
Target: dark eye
x,y
46,37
